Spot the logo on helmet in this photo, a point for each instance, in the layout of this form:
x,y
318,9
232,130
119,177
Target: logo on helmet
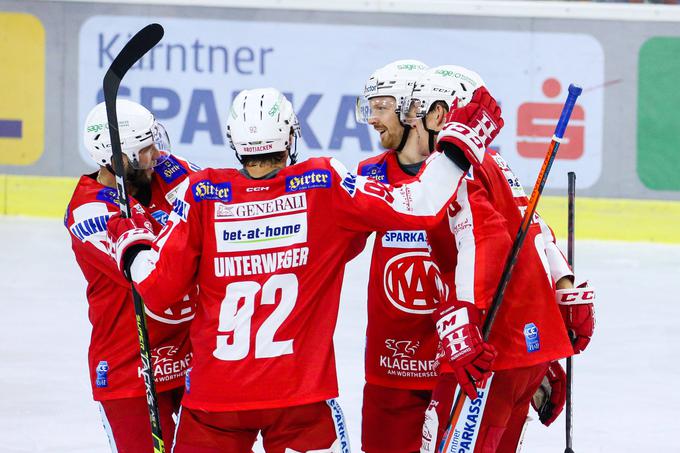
x,y
457,75
97,127
258,148
371,87
411,67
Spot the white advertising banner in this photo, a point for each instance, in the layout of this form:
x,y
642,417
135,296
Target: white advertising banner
x,y
190,78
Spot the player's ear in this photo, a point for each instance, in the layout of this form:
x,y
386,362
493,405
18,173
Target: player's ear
x,y
442,111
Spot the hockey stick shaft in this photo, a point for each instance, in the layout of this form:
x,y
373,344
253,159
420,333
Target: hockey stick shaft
x,y
571,237
135,49
574,93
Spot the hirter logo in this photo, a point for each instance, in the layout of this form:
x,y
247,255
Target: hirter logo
x,y
413,283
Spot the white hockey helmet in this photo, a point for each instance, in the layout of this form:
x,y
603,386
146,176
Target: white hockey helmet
x,y
451,84
395,80
262,121
138,130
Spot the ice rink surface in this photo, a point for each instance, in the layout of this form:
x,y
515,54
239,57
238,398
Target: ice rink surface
x,y
626,384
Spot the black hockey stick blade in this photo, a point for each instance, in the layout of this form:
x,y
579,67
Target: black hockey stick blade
x,y
133,51
143,41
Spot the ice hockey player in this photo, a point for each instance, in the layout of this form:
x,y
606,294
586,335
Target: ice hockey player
x,y
114,359
529,332
267,246
401,341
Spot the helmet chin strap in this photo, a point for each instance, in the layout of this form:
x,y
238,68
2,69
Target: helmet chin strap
x,y
404,136
432,135
293,156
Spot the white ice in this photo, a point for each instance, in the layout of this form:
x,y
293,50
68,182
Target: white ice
x,y
626,384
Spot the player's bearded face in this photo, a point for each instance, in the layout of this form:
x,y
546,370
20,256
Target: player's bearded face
x,y
385,121
138,178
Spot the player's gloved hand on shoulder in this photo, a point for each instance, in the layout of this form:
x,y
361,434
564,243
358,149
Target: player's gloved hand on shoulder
x,y
550,396
129,236
576,305
466,354
470,129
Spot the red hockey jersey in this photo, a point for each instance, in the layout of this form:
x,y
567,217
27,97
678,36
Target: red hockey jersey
x,y
268,257
113,357
401,338
475,242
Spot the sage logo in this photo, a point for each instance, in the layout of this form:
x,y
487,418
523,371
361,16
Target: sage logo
x,y
97,127
22,89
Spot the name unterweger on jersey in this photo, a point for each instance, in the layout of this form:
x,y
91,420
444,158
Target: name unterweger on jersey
x,y
261,263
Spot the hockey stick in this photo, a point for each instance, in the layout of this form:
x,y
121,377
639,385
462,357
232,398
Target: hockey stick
x,y
135,49
574,93
571,194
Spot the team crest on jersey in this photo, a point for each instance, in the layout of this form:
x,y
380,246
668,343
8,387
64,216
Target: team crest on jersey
x,y
400,360
403,349
312,179
108,195
413,283
170,169
377,172
206,190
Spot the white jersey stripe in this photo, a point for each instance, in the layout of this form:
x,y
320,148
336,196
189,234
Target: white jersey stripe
x,y
463,228
107,428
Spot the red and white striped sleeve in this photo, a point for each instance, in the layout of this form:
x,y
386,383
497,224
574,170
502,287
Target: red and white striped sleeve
x,y
482,244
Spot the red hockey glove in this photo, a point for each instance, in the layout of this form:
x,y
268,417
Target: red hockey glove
x,y
470,129
576,305
467,355
550,396
127,237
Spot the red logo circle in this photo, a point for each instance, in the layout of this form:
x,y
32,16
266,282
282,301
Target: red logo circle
x,y
413,283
